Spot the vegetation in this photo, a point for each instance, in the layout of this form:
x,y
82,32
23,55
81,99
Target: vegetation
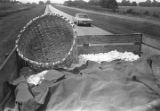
x,y
10,7
11,25
119,25
76,3
146,13
110,4
125,7
12,11
127,3
147,3
42,2
140,11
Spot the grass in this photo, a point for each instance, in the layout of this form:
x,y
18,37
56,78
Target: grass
x,y
7,12
143,11
9,28
11,25
146,12
119,25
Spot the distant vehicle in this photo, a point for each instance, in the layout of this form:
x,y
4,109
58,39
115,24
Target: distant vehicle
x,y
82,19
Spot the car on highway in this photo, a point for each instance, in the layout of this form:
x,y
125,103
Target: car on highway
x,y
82,19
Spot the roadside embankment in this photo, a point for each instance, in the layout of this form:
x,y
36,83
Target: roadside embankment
x,y
4,13
11,25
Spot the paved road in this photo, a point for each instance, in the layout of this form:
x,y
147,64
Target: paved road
x,y
81,30
147,50
125,17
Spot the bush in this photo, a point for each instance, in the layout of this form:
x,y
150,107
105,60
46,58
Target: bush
x,y
146,13
155,15
130,11
111,4
6,13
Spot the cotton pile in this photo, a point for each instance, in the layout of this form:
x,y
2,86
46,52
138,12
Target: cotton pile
x,y
110,56
37,78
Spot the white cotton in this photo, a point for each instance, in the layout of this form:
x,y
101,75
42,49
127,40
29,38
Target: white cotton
x,y
110,56
37,78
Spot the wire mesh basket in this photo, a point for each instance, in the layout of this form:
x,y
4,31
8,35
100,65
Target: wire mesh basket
x,y
47,41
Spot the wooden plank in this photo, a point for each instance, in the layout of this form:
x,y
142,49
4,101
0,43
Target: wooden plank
x,y
108,44
104,49
117,38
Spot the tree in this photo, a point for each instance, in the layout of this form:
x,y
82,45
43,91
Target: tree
x,y
155,3
78,3
48,2
68,3
147,3
41,2
111,4
125,3
134,4
94,2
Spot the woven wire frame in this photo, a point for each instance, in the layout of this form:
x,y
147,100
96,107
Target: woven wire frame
x,y
47,42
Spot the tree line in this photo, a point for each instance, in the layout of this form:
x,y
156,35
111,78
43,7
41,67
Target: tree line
x,y
112,4
147,3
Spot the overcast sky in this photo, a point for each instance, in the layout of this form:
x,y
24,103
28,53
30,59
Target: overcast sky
x,y
61,1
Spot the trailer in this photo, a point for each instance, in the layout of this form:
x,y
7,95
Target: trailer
x,y
79,79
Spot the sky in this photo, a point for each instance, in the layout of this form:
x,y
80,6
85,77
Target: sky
x,y
61,1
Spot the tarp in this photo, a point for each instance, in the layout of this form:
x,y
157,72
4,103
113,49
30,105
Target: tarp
x,y
109,86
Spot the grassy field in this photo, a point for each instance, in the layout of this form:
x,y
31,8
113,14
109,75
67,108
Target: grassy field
x,y
11,25
142,11
145,12
119,25
15,9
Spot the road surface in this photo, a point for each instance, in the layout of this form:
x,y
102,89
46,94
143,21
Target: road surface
x,y
81,30
152,48
132,18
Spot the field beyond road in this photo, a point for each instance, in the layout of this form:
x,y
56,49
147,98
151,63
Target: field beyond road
x,y
119,24
11,25
149,12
